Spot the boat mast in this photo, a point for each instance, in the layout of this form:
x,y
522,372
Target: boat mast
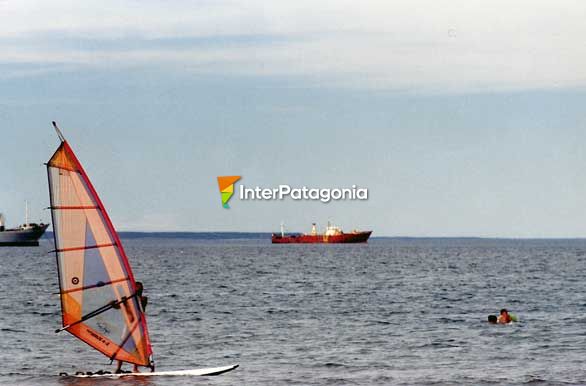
x,y
282,229
59,133
25,212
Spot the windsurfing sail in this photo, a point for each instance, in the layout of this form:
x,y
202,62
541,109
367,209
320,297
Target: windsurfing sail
x,y
99,302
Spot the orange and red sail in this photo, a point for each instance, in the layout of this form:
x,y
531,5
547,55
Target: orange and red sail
x,y
98,292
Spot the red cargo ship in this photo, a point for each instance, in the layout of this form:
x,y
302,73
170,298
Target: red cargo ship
x,y
332,234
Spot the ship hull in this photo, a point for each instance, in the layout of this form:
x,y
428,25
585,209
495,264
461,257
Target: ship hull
x,y
22,237
354,237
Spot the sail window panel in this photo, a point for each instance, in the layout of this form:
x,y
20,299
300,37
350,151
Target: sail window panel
x,y
131,343
97,333
100,231
112,323
74,275
120,325
135,344
103,265
109,264
96,261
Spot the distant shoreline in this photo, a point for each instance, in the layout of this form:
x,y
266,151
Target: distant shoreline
x,y
267,235
188,235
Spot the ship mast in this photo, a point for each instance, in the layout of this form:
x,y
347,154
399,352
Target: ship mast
x,y
25,212
282,229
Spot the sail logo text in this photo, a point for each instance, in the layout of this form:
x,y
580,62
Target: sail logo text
x,y
324,195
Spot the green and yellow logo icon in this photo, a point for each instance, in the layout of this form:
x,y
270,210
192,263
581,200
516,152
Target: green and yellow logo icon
x,y
226,184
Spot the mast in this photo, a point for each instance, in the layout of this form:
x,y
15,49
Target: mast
x,y
59,133
282,229
25,212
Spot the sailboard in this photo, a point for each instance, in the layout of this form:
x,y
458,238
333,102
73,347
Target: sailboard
x,y
98,292
210,371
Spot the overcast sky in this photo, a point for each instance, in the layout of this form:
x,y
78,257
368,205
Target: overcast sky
x,y
463,118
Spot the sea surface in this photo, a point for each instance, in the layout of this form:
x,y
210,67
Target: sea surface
x,y
390,312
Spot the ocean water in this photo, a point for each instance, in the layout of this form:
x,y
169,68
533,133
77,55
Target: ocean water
x,y
391,312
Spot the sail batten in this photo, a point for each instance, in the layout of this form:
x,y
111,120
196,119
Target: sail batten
x,y
73,207
97,286
85,247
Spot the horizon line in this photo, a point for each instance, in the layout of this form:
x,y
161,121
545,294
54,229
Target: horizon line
x,y
372,237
